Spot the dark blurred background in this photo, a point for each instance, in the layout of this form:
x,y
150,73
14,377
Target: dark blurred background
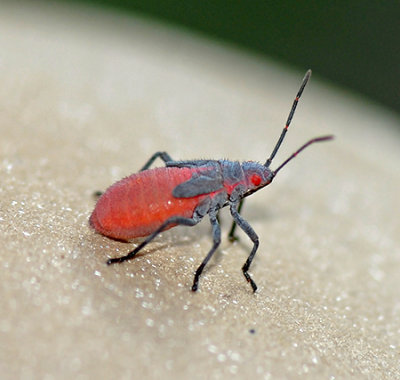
x,y
355,43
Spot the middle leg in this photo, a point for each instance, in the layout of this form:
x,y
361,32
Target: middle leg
x,y
216,242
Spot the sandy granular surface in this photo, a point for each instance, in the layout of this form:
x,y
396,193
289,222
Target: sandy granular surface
x,y
85,99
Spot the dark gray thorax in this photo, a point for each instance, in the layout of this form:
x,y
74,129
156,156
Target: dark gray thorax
x,y
232,171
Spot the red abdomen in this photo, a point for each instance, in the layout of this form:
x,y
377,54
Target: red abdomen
x,y
137,205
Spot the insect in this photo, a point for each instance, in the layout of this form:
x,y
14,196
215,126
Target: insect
x,y
182,193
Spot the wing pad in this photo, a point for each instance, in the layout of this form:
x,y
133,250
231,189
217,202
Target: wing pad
x,y
199,184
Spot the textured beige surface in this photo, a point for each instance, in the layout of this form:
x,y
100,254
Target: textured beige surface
x,y
85,99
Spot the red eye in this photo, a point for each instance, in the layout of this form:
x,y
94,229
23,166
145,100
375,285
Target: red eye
x,y
255,179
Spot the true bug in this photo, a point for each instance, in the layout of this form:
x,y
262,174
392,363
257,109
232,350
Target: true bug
x,y
182,193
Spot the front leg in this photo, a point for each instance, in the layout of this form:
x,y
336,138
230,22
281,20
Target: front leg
x,y
245,226
231,236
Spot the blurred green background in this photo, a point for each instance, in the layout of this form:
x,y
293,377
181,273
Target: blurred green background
x,y
352,43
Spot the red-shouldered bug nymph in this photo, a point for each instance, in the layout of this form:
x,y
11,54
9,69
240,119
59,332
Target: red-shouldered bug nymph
x,y
182,193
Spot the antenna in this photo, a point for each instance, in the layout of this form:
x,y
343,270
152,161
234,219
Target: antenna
x,y
289,119
312,141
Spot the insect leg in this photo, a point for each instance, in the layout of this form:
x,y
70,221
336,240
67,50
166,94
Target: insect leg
x,y
178,220
245,226
97,194
193,163
232,236
163,155
216,241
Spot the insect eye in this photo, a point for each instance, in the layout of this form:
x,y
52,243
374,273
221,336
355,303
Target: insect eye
x,y
255,179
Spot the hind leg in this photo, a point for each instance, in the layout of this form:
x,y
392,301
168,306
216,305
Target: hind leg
x,y
174,220
163,155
